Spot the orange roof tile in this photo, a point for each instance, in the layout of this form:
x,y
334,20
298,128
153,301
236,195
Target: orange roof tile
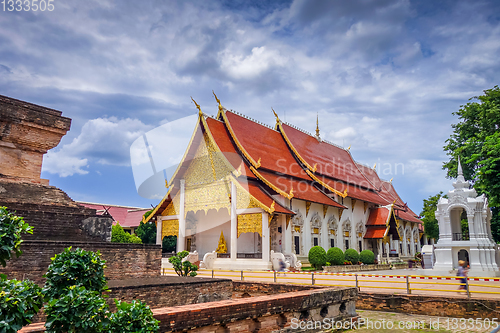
x,y
375,232
226,146
266,144
355,192
378,217
330,160
258,193
302,189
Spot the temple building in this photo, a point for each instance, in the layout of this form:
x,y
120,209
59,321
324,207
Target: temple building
x,y
246,193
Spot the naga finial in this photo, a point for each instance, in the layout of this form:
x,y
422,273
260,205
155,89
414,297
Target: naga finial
x,y
218,101
277,118
317,125
374,166
197,105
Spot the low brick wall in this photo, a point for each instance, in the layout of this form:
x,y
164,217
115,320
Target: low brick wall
x,y
429,305
362,268
262,288
260,314
170,290
122,260
253,314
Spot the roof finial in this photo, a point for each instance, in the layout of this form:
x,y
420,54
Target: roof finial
x,y
218,101
317,125
197,106
460,172
278,121
374,166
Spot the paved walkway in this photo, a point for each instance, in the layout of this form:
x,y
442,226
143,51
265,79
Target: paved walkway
x,y
390,282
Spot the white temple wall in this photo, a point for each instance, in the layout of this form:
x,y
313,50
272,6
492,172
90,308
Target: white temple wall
x,y
208,240
248,242
208,228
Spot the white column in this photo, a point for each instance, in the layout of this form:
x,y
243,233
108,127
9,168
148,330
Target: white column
x,y
234,223
325,237
412,242
287,236
306,233
181,238
265,237
158,230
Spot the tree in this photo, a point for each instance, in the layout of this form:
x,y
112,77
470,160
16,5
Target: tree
x,y
183,268
431,226
11,228
118,235
146,232
476,140
19,300
75,268
169,244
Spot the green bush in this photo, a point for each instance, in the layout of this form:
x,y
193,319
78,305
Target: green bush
x,y
118,235
78,310
335,256
352,255
146,232
317,257
19,302
367,257
133,317
11,228
74,268
183,268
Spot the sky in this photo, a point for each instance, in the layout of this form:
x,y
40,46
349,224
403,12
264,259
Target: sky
x,y
383,77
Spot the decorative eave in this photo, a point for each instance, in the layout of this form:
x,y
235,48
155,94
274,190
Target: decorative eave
x,y
269,210
329,188
155,210
289,143
222,114
289,196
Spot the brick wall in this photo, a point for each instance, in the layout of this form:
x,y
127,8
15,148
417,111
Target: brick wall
x,y
122,260
429,305
170,291
52,213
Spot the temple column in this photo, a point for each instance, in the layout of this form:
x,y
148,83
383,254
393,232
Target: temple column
x,y
181,238
288,236
234,223
284,239
412,242
266,240
159,223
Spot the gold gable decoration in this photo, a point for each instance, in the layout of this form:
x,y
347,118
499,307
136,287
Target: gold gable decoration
x,y
222,246
215,195
288,218
353,203
325,210
341,211
169,228
245,200
173,208
250,223
308,206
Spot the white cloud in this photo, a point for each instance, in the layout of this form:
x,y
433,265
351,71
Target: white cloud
x,y
102,140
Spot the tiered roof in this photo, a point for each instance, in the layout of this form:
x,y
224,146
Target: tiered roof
x,y
288,162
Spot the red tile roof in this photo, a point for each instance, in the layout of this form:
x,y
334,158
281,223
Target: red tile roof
x,y
302,189
375,232
330,160
126,216
266,144
226,146
378,216
355,192
258,193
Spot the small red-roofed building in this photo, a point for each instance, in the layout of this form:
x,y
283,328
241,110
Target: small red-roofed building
x,y
129,218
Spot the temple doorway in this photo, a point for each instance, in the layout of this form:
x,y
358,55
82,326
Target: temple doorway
x,y
463,255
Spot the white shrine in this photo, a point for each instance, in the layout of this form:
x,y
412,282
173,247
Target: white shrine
x,y
477,248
